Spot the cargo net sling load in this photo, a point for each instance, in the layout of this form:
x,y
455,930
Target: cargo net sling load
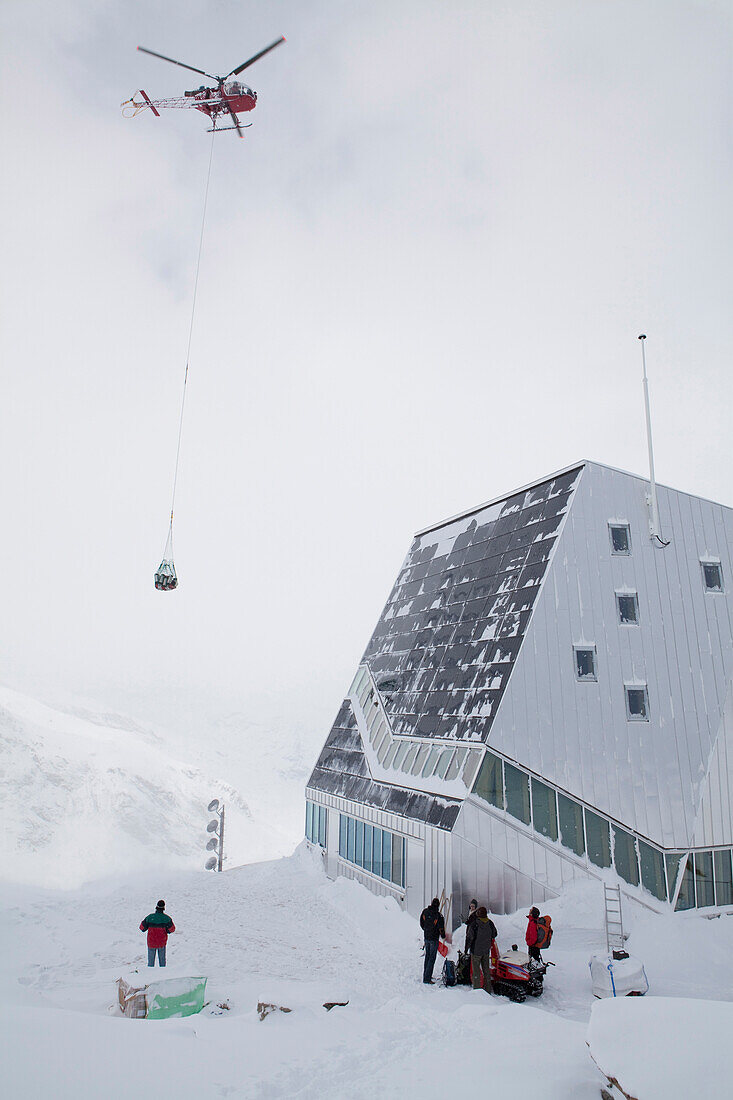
x,y
229,99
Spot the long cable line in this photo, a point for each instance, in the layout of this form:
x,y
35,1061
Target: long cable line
x,y
166,578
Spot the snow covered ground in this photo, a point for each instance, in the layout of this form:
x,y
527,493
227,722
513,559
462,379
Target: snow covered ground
x,y
102,816
87,795
281,932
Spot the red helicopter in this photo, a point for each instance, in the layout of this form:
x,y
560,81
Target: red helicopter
x,y
229,97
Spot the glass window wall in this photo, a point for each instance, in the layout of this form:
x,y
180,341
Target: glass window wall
x,y
489,784
598,839
571,824
704,893
378,851
686,896
625,859
517,793
652,870
544,810
723,878
672,863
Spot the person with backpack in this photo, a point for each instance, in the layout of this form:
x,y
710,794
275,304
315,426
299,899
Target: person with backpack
x,y
433,926
158,926
479,939
539,933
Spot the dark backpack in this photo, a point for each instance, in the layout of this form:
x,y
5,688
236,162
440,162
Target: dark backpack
x,y
449,972
431,926
463,970
544,932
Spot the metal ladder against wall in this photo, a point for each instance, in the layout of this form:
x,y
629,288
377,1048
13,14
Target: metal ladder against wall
x,y
615,938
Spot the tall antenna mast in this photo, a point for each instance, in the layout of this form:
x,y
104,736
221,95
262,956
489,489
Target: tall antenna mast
x,y
654,520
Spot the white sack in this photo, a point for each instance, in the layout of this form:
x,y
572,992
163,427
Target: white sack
x,y
617,977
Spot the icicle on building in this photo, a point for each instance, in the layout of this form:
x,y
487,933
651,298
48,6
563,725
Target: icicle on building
x,y
547,696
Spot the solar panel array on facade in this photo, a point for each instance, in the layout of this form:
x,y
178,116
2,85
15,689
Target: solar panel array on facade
x,y
447,640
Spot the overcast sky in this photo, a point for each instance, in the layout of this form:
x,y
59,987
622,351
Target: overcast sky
x,y
423,276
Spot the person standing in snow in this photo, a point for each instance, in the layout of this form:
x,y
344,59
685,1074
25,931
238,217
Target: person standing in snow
x,y
479,938
433,926
158,926
530,936
472,907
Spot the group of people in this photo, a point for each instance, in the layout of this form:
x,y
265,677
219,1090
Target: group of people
x,y
480,936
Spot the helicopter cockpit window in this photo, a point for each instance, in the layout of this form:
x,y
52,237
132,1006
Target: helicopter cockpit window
x,y
235,88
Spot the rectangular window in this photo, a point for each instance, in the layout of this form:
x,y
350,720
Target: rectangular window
x,y
712,575
389,758
624,856
368,836
686,896
430,762
652,871
489,785
672,862
351,839
637,704
398,859
585,663
309,820
420,759
359,844
723,878
343,826
322,825
598,839
704,879
372,716
571,824
517,793
377,852
442,766
628,608
544,811
620,538
401,754
386,871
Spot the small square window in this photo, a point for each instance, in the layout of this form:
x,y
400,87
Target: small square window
x,y
637,704
628,608
620,538
585,663
713,576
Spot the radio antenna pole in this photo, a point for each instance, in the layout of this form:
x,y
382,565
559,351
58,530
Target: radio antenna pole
x,y
654,520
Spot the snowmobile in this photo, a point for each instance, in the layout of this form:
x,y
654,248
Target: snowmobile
x,y
514,974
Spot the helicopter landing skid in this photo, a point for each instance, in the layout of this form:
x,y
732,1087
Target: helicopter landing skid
x,y
221,129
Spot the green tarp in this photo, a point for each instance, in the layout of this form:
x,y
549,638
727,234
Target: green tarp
x,y
175,997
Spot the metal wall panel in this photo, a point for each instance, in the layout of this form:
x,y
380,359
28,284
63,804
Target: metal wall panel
x,y
714,826
648,775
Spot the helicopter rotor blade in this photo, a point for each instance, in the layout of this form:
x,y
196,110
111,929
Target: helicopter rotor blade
x,y
257,56
173,62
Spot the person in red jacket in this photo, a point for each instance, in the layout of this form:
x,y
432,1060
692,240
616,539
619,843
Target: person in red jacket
x,y
158,926
531,933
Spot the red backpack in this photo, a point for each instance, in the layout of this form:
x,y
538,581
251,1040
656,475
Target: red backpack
x,y
544,932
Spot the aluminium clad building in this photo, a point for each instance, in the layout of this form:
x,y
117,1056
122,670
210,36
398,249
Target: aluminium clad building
x,y
547,696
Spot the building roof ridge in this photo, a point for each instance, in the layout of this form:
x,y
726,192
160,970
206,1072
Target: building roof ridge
x,y
581,464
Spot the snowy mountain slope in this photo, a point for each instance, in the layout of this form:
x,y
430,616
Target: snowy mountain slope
x,y
281,932
83,799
